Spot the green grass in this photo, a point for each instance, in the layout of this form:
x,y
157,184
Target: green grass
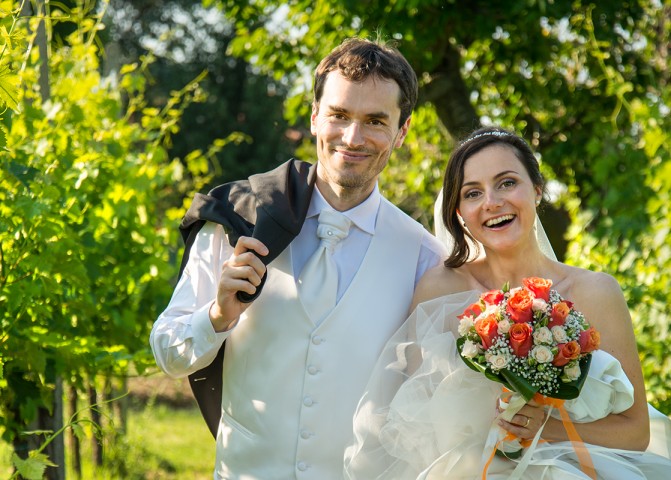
x,y
161,443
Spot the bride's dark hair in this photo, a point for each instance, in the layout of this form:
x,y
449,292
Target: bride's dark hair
x,y
454,178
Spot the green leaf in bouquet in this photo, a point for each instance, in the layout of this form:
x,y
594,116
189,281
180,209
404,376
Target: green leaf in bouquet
x,y
571,390
473,365
518,384
494,377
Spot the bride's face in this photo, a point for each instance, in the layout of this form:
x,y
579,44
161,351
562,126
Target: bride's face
x,y
497,200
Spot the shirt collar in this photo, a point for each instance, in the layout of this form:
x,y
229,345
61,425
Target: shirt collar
x,y
363,215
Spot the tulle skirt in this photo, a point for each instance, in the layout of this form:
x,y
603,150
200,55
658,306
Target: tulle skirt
x,y
426,415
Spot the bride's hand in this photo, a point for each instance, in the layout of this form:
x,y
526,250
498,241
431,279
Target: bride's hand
x,y
526,423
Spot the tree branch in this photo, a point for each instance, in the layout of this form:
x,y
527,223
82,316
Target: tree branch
x,y
449,94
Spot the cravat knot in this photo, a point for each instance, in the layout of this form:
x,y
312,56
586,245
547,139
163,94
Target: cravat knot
x,y
333,227
318,282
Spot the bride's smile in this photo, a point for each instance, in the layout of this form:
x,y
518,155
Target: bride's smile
x,y
500,221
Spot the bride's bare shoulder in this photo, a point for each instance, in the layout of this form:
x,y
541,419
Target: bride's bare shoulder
x,y
587,287
440,281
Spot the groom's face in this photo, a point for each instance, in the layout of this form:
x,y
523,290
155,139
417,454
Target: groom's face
x,y
356,130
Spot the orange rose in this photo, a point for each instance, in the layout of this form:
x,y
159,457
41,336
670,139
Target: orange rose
x,y
589,340
473,310
519,306
493,297
540,287
559,313
521,339
488,329
567,352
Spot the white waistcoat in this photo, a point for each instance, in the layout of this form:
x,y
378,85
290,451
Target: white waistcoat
x,y
291,388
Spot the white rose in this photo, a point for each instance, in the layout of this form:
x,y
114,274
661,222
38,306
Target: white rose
x,y
543,335
504,325
542,354
498,361
572,371
539,305
559,334
489,310
470,349
465,325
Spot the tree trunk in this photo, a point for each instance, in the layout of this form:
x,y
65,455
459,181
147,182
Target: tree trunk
x,y
53,421
448,92
120,406
97,445
75,446
42,44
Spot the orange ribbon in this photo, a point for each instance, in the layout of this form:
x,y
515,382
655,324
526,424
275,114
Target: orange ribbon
x,y
584,458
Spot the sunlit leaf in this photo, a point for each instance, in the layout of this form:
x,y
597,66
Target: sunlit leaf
x,y
9,87
33,467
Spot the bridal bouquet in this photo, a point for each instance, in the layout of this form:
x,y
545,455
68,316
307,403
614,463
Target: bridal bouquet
x,y
529,339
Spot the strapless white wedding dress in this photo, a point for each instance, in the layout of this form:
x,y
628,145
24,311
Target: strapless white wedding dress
x,y
426,415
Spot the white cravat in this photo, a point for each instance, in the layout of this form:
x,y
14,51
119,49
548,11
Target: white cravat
x,y
318,282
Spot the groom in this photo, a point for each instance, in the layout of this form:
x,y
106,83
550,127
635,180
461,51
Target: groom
x,y
295,364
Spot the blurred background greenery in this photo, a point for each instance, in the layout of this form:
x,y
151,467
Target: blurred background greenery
x,y
117,111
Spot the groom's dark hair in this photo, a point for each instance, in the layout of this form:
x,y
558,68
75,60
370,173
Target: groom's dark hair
x,y
358,59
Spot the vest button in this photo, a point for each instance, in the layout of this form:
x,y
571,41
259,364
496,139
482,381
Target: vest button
x,y
302,466
312,370
317,339
305,434
308,402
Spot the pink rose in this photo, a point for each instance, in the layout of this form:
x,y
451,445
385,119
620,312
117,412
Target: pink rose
x,y
487,329
567,352
559,313
493,297
520,306
521,339
473,310
589,340
540,287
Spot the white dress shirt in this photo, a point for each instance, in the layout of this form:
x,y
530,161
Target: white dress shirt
x,y
183,338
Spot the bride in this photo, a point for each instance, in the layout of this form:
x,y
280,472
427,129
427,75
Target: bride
x,y
426,415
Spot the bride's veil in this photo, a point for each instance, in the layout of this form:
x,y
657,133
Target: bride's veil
x,y
444,236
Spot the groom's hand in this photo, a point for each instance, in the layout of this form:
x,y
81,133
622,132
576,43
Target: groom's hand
x,y
242,272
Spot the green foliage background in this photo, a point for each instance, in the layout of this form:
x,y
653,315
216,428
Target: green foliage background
x,y
84,262
95,177
587,83
89,201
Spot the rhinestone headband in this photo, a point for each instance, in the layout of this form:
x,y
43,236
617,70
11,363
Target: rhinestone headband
x,y
493,133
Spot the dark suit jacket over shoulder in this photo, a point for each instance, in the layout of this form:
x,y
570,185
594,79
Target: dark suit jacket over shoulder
x,y
268,206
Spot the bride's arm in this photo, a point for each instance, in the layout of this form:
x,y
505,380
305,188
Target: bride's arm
x,y
599,297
